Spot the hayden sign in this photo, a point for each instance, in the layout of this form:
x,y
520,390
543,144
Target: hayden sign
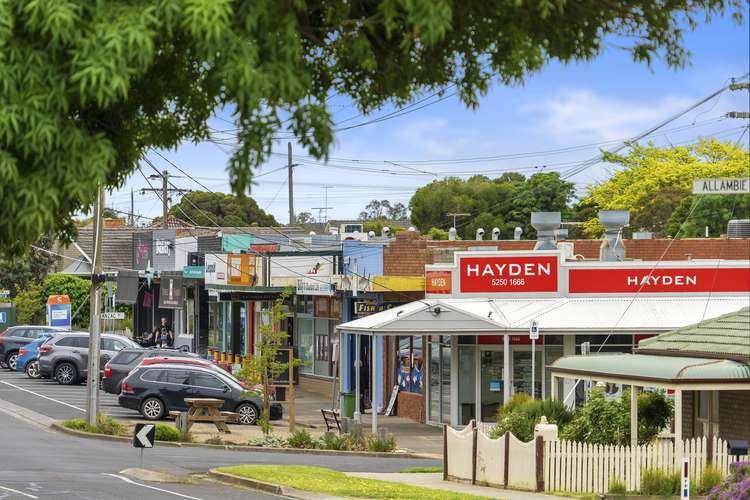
x,y
512,273
659,280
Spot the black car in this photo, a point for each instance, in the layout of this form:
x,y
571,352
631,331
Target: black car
x,y
118,367
156,390
15,337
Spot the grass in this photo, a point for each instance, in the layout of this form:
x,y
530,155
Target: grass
x,y
331,482
425,470
104,425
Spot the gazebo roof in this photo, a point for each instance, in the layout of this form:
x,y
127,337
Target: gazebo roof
x,y
725,337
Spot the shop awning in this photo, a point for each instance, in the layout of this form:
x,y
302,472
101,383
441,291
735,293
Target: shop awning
x,y
643,368
555,315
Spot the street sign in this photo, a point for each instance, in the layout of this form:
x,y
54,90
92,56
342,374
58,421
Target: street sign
x,y
685,486
722,186
144,434
534,330
112,315
4,294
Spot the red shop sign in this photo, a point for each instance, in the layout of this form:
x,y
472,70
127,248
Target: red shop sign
x,y
664,280
513,273
438,282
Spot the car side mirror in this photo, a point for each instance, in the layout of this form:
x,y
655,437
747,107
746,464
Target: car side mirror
x,y
225,388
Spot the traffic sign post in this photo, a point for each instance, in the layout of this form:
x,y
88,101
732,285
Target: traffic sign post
x,y
685,486
144,436
534,335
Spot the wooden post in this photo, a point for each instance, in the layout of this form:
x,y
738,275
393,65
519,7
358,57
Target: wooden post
x,y
445,452
710,449
506,460
474,452
678,444
539,463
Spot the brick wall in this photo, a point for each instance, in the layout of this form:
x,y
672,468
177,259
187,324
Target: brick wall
x,y
410,405
409,252
734,414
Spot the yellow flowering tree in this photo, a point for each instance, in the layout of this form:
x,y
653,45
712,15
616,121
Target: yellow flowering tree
x,y
653,182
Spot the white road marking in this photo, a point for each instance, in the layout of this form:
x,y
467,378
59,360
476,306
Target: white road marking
x,y
130,481
17,492
42,396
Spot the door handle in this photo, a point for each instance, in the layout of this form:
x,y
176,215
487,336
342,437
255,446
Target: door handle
x,y
76,352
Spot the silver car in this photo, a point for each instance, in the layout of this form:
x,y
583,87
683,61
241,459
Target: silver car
x,y
65,357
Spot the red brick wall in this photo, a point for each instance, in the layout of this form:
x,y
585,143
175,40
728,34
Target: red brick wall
x,y
734,414
409,252
688,414
410,405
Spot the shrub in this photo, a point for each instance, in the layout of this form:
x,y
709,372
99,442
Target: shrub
x,y
522,413
77,424
166,432
104,425
332,441
616,486
301,439
710,478
269,442
737,485
659,482
607,421
376,442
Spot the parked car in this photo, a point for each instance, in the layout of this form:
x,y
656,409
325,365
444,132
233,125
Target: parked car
x,y
15,337
28,356
155,390
65,357
119,366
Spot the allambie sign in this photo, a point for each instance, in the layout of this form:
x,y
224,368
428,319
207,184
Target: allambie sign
x,y
546,274
722,186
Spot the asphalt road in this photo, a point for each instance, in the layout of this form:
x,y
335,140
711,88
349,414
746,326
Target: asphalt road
x,y
40,463
54,400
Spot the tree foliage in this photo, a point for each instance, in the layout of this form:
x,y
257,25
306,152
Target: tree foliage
x,y
384,209
305,218
208,209
655,185
86,88
19,272
505,202
31,302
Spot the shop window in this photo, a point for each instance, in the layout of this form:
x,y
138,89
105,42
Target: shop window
x,y
322,363
322,307
304,331
409,367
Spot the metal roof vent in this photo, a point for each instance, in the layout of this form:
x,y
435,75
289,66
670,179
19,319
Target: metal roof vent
x,y
738,228
517,232
496,233
612,247
371,234
545,224
452,234
385,232
480,234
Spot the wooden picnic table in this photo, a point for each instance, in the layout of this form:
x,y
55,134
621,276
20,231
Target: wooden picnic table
x,y
203,410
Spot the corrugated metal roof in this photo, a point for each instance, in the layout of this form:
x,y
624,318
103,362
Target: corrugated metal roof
x,y
726,336
591,314
654,368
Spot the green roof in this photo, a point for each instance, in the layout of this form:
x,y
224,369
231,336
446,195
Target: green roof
x,y
725,337
654,368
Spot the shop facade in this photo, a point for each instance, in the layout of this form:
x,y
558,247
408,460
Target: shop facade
x,y
473,325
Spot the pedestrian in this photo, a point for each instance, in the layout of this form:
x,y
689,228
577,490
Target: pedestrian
x,y
163,336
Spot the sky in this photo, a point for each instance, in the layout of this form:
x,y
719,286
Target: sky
x,y
579,107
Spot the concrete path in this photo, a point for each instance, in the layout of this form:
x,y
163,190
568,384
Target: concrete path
x,y
435,480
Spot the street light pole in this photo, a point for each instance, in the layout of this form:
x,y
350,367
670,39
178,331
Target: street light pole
x,y
92,380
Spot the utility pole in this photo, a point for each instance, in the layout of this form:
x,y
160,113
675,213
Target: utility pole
x,y
132,209
454,215
165,190
291,184
742,115
92,380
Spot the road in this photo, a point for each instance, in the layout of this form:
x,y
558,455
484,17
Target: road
x,y
44,464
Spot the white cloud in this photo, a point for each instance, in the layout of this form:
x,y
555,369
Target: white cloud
x,y
586,116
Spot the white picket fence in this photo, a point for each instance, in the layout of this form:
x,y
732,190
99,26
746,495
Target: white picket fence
x,y
580,467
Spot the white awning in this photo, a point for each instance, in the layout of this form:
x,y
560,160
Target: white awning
x,y
558,315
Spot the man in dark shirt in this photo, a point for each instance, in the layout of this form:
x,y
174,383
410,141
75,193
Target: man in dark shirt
x,y
163,336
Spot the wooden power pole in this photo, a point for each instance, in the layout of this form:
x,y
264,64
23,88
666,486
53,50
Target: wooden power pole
x,y
92,380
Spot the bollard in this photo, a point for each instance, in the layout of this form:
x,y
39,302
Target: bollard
x,y
216,356
223,357
208,353
237,358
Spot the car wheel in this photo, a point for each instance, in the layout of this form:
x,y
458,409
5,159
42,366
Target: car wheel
x,y
247,414
152,409
32,369
10,360
66,374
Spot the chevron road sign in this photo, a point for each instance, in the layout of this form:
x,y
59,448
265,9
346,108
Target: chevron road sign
x,y
143,437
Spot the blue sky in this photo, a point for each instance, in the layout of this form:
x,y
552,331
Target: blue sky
x,y
562,106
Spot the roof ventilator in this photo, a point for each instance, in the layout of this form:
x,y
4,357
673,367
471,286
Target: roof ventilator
x,y
613,246
545,224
